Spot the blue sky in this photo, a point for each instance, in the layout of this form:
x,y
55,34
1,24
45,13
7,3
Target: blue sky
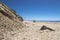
x,y
36,9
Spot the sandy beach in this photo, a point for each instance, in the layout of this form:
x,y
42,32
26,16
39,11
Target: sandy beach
x,y
32,31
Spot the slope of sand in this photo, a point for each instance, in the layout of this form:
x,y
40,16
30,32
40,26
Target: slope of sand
x,y
32,31
10,23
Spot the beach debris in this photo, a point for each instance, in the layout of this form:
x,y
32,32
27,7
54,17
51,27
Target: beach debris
x,y
45,27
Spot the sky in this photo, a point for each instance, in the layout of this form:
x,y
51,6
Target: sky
x,y
35,9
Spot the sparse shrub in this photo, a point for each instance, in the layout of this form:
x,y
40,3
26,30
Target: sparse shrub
x,y
34,21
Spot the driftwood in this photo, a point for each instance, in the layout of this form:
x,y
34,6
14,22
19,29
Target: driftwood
x,y
45,27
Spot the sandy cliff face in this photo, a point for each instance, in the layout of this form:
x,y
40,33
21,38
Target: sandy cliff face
x,y
10,13
10,23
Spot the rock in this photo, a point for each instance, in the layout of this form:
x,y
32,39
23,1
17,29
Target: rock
x,y
10,23
45,27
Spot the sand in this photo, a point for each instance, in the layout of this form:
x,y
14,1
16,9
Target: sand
x,y
32,31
